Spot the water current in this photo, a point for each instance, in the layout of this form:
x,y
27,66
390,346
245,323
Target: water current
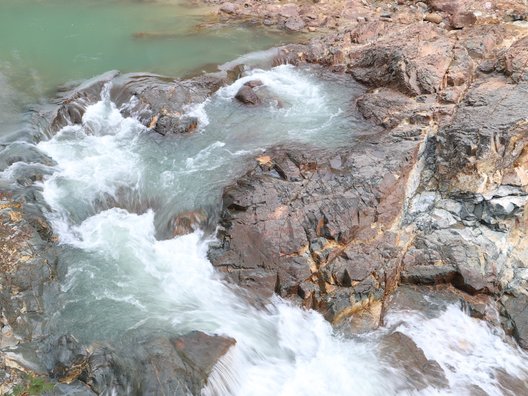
x,y
114,184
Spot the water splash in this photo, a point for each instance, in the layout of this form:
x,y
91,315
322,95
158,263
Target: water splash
x,y
121,278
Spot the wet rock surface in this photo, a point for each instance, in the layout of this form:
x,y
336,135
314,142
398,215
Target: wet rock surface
x,y
159,103
420,371
27,266
436,195
159,364
316,226
247,95
445,202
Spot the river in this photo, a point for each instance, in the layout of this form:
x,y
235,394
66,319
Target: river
x,y
112,185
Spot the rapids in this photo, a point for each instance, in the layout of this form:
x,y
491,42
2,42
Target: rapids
x,y
114,184
110,188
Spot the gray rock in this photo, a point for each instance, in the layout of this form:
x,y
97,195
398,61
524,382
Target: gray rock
x,y
247,95
174,125
295,24
516,309
228,8
405,354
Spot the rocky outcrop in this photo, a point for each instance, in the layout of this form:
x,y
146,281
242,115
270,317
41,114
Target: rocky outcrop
x,y
317,227
330,15
446,202
436,195
175,365
27,266
160,103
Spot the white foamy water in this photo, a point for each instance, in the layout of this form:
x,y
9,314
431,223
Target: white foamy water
x,y
121,278
470,351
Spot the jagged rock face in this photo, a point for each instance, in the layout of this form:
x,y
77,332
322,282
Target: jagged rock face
x,y
316,226
414,68
470,212
454,104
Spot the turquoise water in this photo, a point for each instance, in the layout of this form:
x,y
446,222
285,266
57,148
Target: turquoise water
x,y
45,43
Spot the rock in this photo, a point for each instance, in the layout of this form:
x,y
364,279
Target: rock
x,y
289,10
461,69
448,6
515,307
70,359
168,124
389,108
106,372
176,366
420,372
474,166
368,32
182,365
152,99
513,62
295,24
414,68
247,96
74,101
253,83
228,8
302,217
433,17
462,19
188,222
484,41
428,274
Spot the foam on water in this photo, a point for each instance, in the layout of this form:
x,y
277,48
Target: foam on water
x,y
470,351
280,350
122,278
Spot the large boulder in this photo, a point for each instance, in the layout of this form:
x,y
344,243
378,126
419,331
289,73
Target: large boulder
x,y
316,226
171,365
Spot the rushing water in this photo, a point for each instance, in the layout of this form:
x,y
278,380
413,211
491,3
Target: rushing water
x,y
122,282
114,185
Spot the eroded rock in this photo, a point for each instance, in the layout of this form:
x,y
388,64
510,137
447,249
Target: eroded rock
x,y
247,95
302,219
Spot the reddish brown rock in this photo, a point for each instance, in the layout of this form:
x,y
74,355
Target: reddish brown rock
x,y
514,61
303,218
434,18
448,6
413,67
389,108
420,371
188,222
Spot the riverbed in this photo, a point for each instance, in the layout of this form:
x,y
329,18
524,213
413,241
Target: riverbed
x,y
110,185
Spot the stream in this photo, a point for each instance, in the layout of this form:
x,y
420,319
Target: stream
x,y
113,185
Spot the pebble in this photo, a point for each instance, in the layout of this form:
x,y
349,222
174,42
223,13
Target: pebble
x,y
433,17
422,5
